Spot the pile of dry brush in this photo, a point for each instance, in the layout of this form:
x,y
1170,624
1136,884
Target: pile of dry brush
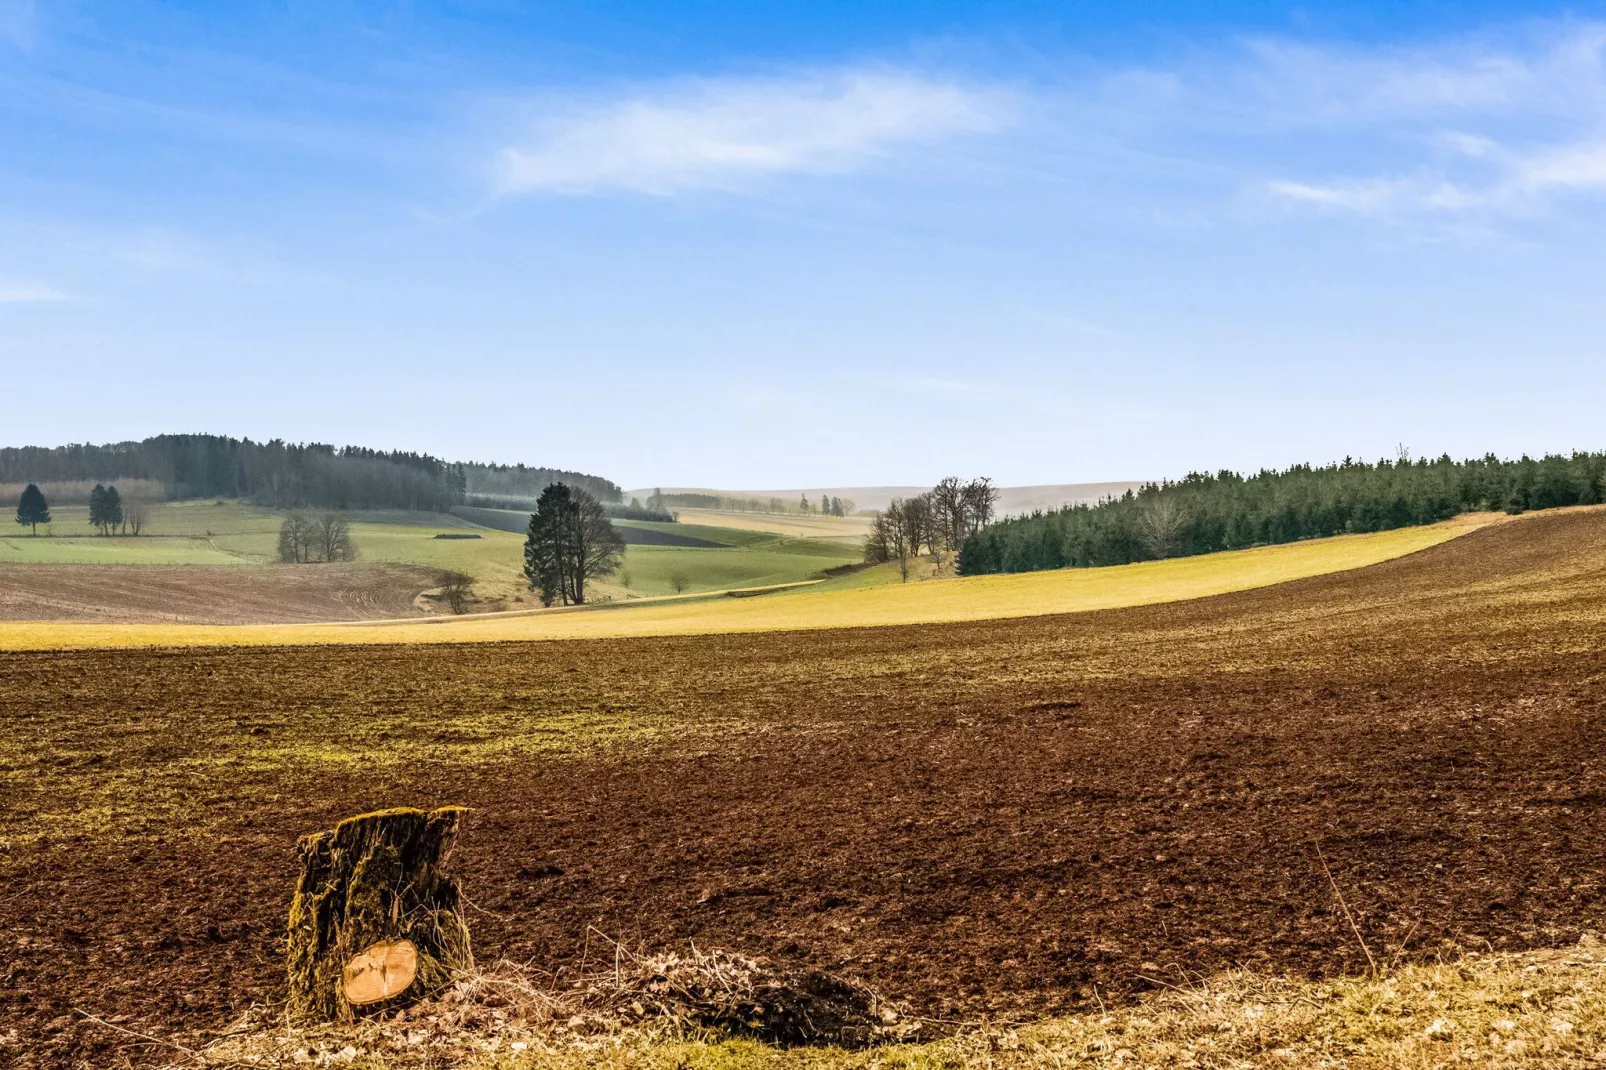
x,y
508,1009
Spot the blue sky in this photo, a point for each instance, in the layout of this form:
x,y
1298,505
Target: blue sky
x,y
828,243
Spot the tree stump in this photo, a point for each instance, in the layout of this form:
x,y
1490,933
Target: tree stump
x,y
375,923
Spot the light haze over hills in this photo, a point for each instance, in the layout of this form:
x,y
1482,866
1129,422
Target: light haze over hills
x,y
1011,500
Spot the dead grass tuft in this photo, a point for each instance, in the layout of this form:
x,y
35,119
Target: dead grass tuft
x,y
1534,1009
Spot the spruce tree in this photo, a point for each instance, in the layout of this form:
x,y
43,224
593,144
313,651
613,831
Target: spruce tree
x,y
97,508
546,546
113,510
33,510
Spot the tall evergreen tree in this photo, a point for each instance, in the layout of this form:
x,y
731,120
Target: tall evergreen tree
x,y
33,510
112,510
97,508
546,549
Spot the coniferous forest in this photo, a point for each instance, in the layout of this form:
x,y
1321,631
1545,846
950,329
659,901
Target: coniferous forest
x,y
1227,511
286,475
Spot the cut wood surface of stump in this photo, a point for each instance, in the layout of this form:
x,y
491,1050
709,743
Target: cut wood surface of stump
x,y
375,923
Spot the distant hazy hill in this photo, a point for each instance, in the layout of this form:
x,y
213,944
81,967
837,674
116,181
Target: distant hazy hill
x,y
1011,500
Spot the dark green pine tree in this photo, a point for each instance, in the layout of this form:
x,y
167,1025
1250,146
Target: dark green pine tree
x,y
33,510
113,510
97,508
547,545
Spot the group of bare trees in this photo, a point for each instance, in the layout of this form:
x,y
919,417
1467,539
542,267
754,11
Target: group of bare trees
x,y
936,523
308,537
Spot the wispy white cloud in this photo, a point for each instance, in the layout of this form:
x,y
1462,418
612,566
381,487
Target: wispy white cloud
x,y
713,133
28,293
1465,128
1520,183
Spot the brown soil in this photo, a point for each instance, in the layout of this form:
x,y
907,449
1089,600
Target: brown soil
x,y
1005,818
197,594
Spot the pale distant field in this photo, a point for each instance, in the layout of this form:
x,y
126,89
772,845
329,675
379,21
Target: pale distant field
x,y
844,528
932,601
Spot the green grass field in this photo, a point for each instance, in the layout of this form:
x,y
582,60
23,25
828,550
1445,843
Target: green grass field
x,y
235,533
650,569
740,559
94,551
746,559
177,533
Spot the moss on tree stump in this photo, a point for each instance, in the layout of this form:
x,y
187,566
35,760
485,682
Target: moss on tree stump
x,y
372,906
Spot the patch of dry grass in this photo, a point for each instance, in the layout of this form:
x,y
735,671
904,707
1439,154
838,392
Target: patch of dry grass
x,y
849,529
969,598
1533,1009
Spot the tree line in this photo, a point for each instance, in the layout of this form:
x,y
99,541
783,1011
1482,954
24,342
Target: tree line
x,y
519,481
108,510
632,510
828,505
635,510
284,475
1204,513
935,523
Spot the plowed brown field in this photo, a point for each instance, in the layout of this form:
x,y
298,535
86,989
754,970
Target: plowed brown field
x,y
1004,818
195,594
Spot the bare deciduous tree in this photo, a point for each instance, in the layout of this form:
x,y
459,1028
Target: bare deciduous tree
x,y
1160,525
878,541
920,524
296,538
979,498
135,510
458,590
332,538
948,511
